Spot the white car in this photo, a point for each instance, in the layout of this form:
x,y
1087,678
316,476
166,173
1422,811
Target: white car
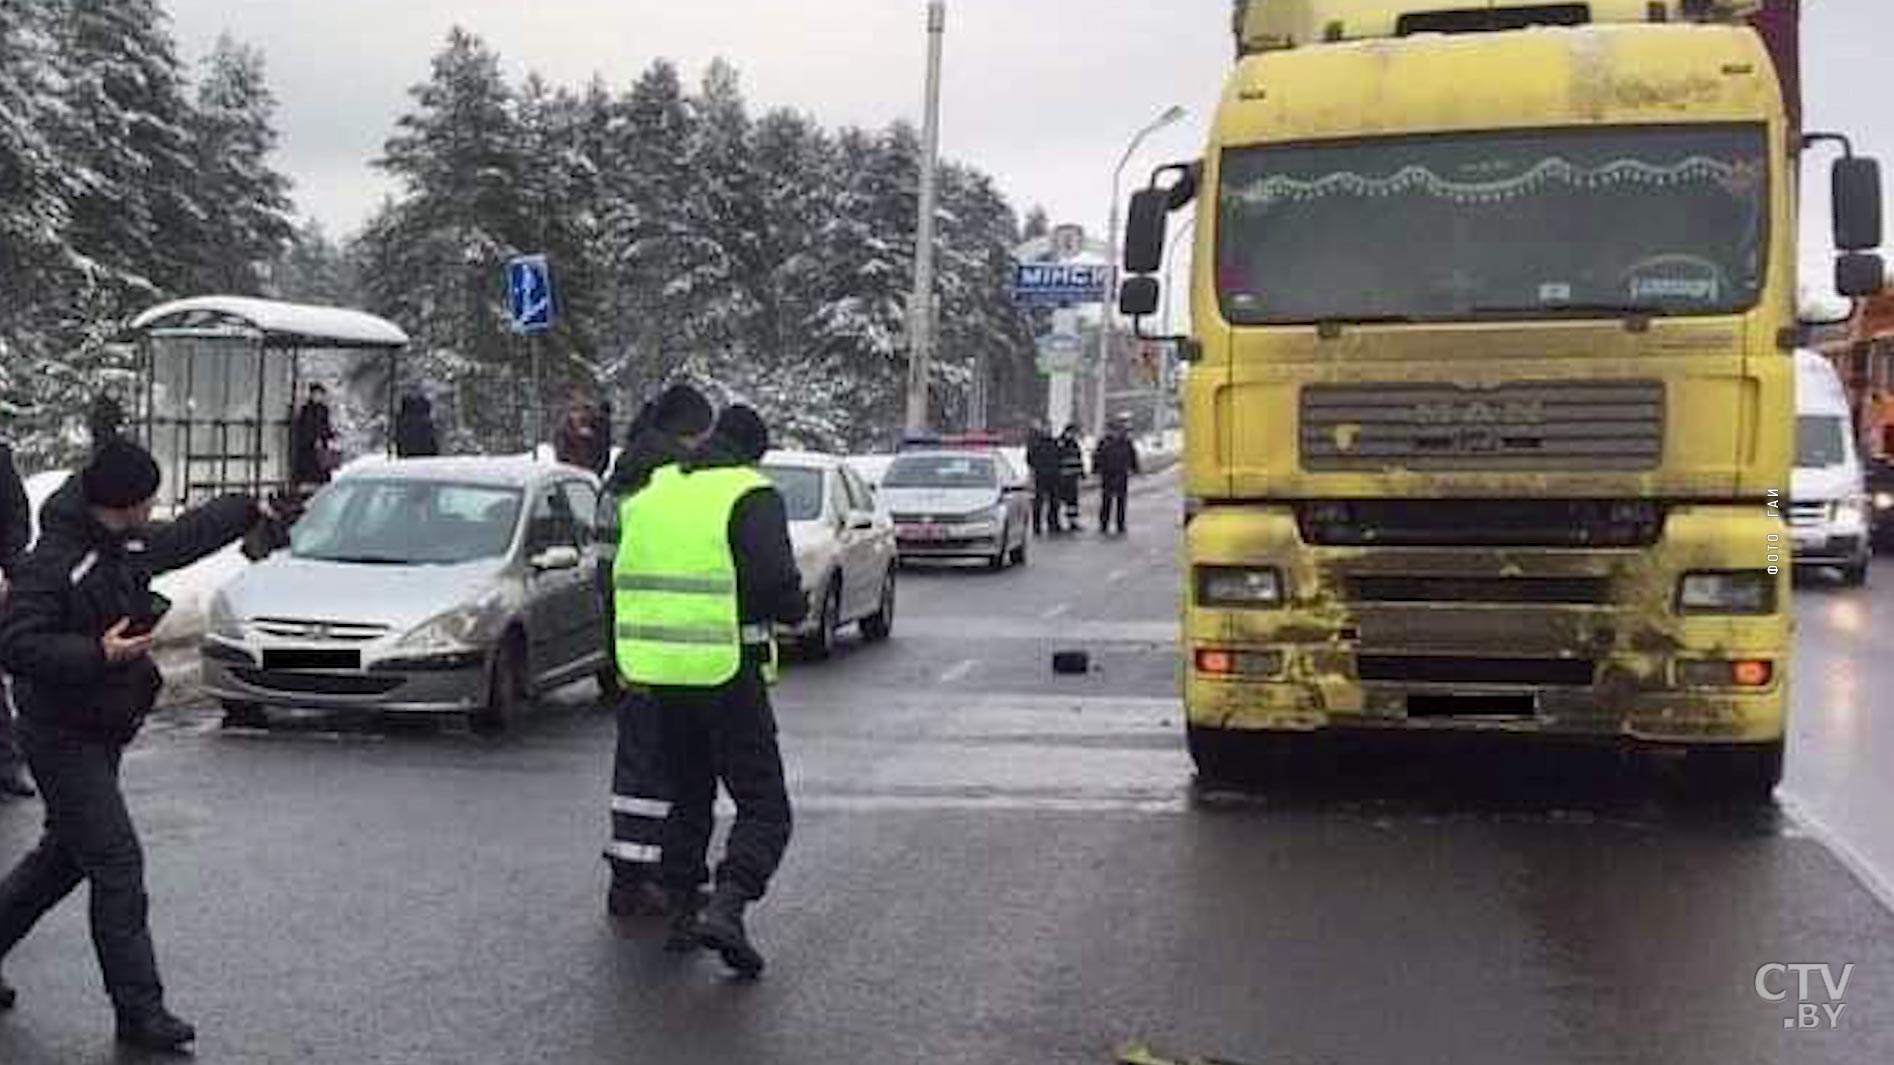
x,y
844,547
959,503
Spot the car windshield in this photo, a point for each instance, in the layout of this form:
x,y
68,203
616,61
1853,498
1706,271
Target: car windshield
x,y
1662,221
1820,441
801,489
942,471
407,523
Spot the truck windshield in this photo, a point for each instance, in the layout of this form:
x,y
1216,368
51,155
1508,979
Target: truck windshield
x,y
1658,221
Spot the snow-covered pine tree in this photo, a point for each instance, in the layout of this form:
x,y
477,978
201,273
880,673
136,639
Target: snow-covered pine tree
x,y
245,200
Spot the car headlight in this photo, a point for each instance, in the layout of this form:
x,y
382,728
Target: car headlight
x,y
1884,501
1239,586
1740,592
221,621
1855,510
461,629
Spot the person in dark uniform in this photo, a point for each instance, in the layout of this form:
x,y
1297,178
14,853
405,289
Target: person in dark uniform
x,y
77,638
104,418
414,428
1115,460
16,531
1071,474
705,574
667,430
1042,458
312,440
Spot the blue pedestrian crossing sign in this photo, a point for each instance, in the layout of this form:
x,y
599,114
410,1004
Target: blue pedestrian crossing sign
x,y
529,294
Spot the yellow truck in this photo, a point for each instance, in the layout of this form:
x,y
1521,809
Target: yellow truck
x,y
1489,416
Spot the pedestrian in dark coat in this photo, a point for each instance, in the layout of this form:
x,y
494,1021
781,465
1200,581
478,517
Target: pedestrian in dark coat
x,y
414,428
77,638
312,440
1042,458
104,418
1115,460
16,531
667,430
1071,473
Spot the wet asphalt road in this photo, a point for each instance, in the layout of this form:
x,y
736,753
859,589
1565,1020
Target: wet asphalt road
x,y
996,865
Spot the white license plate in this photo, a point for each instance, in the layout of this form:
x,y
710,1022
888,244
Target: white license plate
x,y
926,532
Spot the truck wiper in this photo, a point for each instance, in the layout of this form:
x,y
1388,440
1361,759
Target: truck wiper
x,y
1332,327
1567,310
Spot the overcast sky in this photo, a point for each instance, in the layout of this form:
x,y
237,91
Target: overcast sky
x,y
1043,94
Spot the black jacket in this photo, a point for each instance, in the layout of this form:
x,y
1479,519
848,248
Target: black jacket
x,y
1042,458
1116,459
1071,458
79,580
312,432
16,516
769,586
414,430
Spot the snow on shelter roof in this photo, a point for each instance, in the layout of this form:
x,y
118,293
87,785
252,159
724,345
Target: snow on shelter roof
x,y
282,325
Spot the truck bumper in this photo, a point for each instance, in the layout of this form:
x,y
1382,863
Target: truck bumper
x,y
1599,652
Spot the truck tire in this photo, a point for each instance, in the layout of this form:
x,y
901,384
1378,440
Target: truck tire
x,y
1746,774
1856,575
1239,758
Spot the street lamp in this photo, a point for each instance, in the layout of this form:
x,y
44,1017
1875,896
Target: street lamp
x,y
1108,324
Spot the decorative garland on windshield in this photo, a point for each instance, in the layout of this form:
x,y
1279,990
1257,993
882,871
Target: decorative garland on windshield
x,y
1278,188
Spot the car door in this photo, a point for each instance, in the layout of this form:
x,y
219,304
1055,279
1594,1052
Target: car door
x,y
871,549
584,501
552,594
839,510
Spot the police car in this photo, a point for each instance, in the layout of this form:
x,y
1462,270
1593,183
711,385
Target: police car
x,y
958,498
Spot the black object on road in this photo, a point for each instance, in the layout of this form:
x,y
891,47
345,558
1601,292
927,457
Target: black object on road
x,y
1071,663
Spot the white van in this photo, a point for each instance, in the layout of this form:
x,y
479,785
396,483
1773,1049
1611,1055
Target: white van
x,y
1829,509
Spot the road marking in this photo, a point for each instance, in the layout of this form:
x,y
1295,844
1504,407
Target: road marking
x,y
960,671
1057,612
1853,860
1118,575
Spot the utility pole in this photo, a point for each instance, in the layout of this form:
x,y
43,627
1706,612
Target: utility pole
x,y
922,318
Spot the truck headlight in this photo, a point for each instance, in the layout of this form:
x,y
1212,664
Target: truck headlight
x,y
1739,592
221,621
1241,587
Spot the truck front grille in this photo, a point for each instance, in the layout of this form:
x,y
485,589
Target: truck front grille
x,y
1425,669
1563,591
1576,523
1576,426
1808,515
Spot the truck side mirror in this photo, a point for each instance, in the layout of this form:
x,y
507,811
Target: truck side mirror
x,y
1859,274
1138,297
1144,231
1857,203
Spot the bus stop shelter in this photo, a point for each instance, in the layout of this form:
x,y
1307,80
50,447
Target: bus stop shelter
x,y
219,379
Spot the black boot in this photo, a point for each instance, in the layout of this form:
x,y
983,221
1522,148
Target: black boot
x,y
155,1030
7,995
13,782
685,906
721,929
636,897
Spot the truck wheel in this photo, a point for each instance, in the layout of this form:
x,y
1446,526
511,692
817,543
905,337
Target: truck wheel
x,y
1746,774
506,689
1237,757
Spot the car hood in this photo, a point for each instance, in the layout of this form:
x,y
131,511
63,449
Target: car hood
x,y
400,597
938,502
1822,483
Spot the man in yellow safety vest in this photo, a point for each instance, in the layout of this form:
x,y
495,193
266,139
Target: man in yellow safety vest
x,y
704,571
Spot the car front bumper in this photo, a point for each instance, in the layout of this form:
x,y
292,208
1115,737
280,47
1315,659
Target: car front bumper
x,y
456,686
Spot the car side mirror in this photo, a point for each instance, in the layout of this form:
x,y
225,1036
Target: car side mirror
x,y
563,557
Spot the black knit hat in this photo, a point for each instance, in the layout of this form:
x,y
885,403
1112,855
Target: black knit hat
x,y
744,431
682,410
121,474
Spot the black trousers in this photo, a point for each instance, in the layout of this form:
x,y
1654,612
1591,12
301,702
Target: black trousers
x,y
1045,505
727,736
1112,497
10,756
640,797
89,838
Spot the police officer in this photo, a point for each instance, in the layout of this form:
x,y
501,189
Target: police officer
x,y
1115,460
667,430
704,569
76,637
16,529
1071,473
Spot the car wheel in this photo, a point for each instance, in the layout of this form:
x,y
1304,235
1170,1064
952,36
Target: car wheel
x,y
1855,576
998,562
506,689
822,644
610,684
877,626
1019,553
244,715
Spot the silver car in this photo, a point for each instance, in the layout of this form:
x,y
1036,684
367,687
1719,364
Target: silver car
x,y
439,586
959,504
844,548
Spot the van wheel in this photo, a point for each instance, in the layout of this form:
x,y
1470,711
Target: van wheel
x,y
1855,576
506,689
